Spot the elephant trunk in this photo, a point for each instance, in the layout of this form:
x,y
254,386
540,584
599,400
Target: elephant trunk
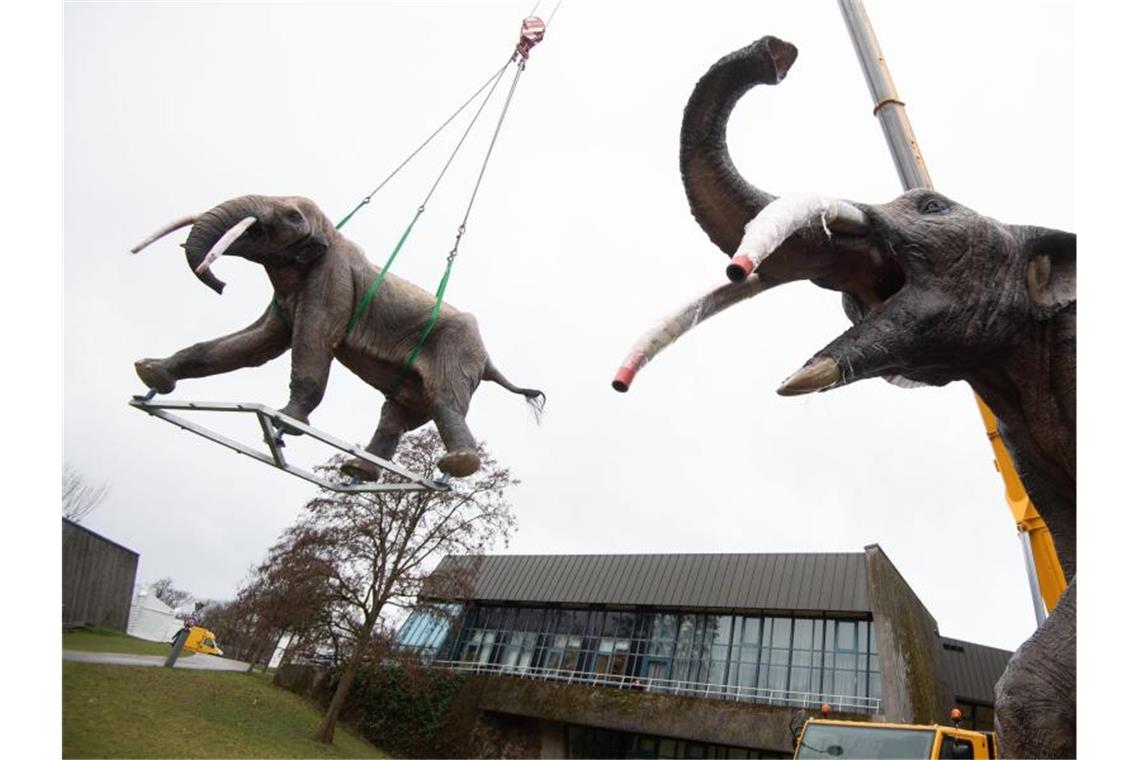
x,y
721,200
215,230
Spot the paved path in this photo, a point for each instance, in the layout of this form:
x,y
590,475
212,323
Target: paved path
x,y
197,662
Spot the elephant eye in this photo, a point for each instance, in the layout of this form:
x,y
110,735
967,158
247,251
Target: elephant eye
x,y
933,205
294,216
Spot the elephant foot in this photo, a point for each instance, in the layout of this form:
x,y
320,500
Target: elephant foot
x,y
360,469
287,429
459,464
155,375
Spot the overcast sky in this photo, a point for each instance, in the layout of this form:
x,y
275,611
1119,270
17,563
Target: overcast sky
x,y
580,240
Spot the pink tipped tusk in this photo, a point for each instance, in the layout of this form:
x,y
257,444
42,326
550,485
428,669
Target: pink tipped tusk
x,y
177,224
740,267
224,242
628,370
780,219
680,322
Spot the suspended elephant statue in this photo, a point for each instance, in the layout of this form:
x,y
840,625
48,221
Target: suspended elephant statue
x,y
936,293
326,305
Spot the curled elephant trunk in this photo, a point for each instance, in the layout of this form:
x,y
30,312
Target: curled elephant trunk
x,y
782,218
721,200
745,222
215,231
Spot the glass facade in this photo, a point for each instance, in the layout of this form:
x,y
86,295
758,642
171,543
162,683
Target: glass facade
x,y
426,628
771,659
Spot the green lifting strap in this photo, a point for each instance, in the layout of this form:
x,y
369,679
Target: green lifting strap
x,y
361,307
434,314
459,234
375,286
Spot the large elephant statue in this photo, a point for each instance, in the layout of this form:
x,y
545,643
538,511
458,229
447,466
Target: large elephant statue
x,y
936,292
325,306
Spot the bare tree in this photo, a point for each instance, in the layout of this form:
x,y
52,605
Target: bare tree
x,y
175,597
288,594
80,498
374,550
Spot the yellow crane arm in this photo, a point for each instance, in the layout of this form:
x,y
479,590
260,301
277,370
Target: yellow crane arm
x,y
1049,576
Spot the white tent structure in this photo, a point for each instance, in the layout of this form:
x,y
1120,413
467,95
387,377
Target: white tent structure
x,y
279,652
151,618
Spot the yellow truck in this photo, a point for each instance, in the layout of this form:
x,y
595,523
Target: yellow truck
x,y
822,738
201,640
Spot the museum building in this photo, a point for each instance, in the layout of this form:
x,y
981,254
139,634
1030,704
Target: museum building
x,y
694,655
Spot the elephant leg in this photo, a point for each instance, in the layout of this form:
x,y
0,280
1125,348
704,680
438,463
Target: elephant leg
x,y
395,420
265,339
1036,706
462,457
313,344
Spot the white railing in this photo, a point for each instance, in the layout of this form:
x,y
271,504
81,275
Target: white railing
x,y
754,694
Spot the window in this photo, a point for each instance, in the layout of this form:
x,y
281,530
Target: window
x,y
604,658
772,659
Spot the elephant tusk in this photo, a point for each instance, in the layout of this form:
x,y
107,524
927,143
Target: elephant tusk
x,y
680,322
224,242
815,376
177,224
777,221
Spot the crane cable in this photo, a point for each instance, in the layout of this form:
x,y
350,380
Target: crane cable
x,y
362,307
532,32
462,229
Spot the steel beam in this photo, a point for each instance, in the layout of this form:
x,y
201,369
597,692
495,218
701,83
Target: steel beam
x,y
270,421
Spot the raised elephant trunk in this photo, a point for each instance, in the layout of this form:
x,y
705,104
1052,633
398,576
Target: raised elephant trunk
x,y
722,201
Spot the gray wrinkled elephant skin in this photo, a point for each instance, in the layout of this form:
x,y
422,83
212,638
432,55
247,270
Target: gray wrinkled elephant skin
x,y
936,293
319,279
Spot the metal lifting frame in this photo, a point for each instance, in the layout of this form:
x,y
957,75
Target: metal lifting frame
x,y
271,421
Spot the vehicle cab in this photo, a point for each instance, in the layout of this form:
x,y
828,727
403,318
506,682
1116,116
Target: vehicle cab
x,y
202,640
822,738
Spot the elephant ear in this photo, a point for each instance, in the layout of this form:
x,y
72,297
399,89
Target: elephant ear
x,y
313,248
1051,269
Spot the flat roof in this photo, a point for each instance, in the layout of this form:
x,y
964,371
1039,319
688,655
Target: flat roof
x,y
76,526
799,582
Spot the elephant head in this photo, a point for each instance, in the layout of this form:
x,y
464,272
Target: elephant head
x,y
272,231
936,291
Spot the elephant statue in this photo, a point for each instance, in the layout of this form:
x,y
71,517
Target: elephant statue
x,y
326,305
936,293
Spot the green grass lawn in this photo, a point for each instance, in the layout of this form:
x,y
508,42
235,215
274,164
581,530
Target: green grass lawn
x,y
128,711
106,640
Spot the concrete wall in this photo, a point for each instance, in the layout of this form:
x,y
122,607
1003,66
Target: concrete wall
x,y
509,717
707,720
909,647
98,579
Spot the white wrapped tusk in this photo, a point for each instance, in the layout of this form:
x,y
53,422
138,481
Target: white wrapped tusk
x,y
177,224
779,219
224,242
680,322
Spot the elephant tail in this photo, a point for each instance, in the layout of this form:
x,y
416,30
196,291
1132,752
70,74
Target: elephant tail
x,y
535,398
